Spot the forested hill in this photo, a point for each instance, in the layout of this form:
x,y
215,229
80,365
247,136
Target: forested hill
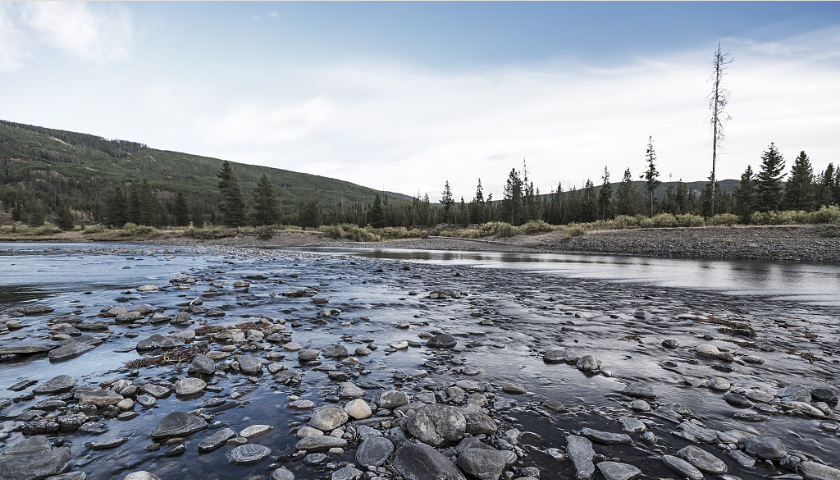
x,y
48,167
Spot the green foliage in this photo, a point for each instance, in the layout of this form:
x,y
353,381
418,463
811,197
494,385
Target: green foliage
x,y
64,219
799,190
350,232
624,221
627,196
535,226
309,214
512,209
266,207
769,181
35,215
377,213
651,175
829,214
744,195
724,219
690,220
181,212
265,233
575,231
605,203
232,203
665,220
148,209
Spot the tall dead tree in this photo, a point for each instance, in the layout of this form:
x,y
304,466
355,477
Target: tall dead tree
x,y
718,100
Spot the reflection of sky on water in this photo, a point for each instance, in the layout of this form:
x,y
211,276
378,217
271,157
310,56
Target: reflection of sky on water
x,y
802,282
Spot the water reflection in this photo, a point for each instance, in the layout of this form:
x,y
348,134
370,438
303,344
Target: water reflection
x,y
805,282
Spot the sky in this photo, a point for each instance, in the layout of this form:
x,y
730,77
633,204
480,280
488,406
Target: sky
x,y
404,96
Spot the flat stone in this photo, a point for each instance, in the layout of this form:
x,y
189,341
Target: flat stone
x,y
442,340
100,398
70,350
57,384
249,365
141,475
555,356
581,453
422,462
588,363
335,351
818,471
301,404
282,474
702,460
106,444
304,432
632,425
216,440
315,443
25,349
514,388
374,451
33,465
391,399
147,288
824,394
157,391
248,454
158,341
308,354
128,317
765,447
482,463
349,390
618,471
328,418
718,384
681,466
695,433
478,422
605,437
254,431
398,344
639,390
707,350
291,347
348,472
742,458
178,424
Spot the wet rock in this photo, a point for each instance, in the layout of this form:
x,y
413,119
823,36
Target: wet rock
x,y
478,422
436,424
128,317
158,341
742,458
328,418
684,468
178,424
618,471
216,440
61,383
718,384
348,472
363,351
632,425
157,391
695,433
147,288
100,397
760,396
514,388
247,454
308,354
482,463
308,432
254,431
702,460
639,390
399,344
335,351
391,399
358,409
442,340
640,406
93,428
554,356
32,458
282,474
581,453
349,390
824,394
249,365
605,437
106,444
182,318
421,462
818,471
315,443
588,363
374,451
707,350
670,343
301,404
795,393
202,365
736,399
141,476
69,350
765,447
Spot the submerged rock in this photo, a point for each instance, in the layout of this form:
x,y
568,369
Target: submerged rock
x,y
416,461
178,424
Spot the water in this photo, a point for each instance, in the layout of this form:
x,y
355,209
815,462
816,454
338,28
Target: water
x,y
791,281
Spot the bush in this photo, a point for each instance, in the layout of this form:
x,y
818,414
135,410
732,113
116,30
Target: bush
x,y
646,223
690,220
727,219
47,229
623,221
665,220
506,230
535,226
91,229
830,214
499,229
265,233
575,231
788,217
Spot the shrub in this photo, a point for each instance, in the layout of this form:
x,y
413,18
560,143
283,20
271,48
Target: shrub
x,y
664,220
727,219
646,223
535,226
575,231
265,233
47,229
788,217
506,230
690,220
91,229
830,214
624,221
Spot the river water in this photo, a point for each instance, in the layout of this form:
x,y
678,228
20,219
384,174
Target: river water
x,y
508,310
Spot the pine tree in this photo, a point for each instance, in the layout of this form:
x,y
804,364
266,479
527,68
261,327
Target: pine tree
x,y
148,210
627,196
745,196
35,214
769,180
197,216
651,176
377,213
824,189
133,209
17,212
720,197
233,205
477,205
799,191
64,219
718,100
265,203
116,208
512,208
573,211
837,186
589,202
605,207
181,211
681,197
447,201
309,216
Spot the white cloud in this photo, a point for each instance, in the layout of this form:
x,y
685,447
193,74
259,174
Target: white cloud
x,y
11,52
274,15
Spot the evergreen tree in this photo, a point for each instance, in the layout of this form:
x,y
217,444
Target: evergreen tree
x,y
266,208
309,216
477,205
17,212
233,205
605,207
64,219
197,216
447,201
769,180
651,176
133,209
463,214
799,191
512,208
824,195
589,202
745,196
35,213
720,201
377,214
148,210
627,196
181,211
116,208
681,197
837,186
573,211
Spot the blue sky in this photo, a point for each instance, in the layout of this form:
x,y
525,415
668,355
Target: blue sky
x,y
404,96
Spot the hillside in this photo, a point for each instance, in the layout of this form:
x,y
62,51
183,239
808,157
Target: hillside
x,y
60,166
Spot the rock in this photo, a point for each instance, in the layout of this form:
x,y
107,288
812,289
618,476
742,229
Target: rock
x,y
282,474
736,399
157,391
581,453
742,458
695,433
335,351
618,471
202,365
765,447
632,425
248,454
308,354
178,424
100,397
482,463
349,390
141,475
249,365
554,356
106,444
128,317
605,437
358,409
679,465
93,428
348,472
328,418
391,399
702,460
442,340
824,394
588,363
639,390
24,349
436,424
670,343
422,462
304,432
158,341
795,393
478,422
69,350
147,288
314,443
61,383
363,351
254,431
374,451
514,388
707,350
216,440
182,318
640,406
32,458
301,404
189,386
818,471
291,347
398,344
718,384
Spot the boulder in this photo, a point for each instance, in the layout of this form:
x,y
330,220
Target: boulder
x,y
328,418
249,365
374,451
61,383
391,399
482,463
202,365
178,424
442,340
189,386
422,462
436,424
765,447
32,458
358,409
581,453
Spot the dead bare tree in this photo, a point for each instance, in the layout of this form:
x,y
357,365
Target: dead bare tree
x,y
718,100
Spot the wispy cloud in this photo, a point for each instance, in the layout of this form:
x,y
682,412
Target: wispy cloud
x,y
11,41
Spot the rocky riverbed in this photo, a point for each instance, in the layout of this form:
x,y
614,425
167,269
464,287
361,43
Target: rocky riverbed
x,y
259,364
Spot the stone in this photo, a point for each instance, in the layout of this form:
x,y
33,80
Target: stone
x,y
554,356
482,463
632,425
707,350
181,318
684,468
818,471
422,462
249,365
308,354
308,432
695,433
69,350
358,409
158,341
216,440
32,458
328,418
742,458
478,422
292,347
100,398
248,454
93,428
254,431
640,406
374,451
795,393
178,424
335,351
639,390
314,443
157,391
348,472
824,394
618,471
189,386
349,390
128,317
363,351
581,453
442,340
605,437
58,384
141,475
202,365
514,388
147,288
436,424
765,447
391,399
670,343
718,384
588,363
398,344
282,474
106,444
301,404
736,399
702,460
